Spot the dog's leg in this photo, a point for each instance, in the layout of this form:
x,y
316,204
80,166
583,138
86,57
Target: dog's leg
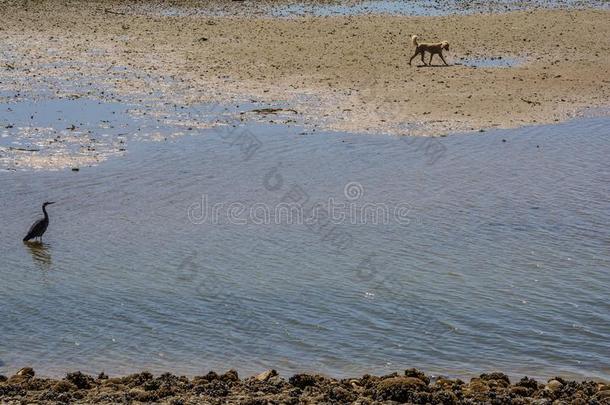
x,y
414,55
441,55
430,61
422,58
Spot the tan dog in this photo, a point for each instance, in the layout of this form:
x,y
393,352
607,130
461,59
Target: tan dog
x,y
433,49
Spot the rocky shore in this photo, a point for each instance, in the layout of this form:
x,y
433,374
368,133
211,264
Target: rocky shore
x,y
410,386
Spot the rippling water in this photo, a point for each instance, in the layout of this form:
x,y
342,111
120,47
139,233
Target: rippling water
x,y
494,255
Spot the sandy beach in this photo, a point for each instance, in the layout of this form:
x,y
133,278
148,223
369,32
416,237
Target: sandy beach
x,y
347,73
410,386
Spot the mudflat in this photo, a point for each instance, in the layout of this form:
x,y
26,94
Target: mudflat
x,y
347,73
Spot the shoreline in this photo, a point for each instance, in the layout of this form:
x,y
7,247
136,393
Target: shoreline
x,y
339,73
411,386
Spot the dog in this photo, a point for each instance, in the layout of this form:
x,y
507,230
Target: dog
x,y
433,49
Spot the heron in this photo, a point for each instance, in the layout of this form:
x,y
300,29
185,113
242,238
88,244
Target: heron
x,y
39,227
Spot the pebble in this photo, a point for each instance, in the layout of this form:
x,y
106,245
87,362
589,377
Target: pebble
x,y
554,386
265,375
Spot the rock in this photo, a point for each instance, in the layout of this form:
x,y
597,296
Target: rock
x,y
495,385
211,376
445,397
268,387
63,386
215,388
445,383
152,385
3,378
26,372
542,401
80,380
137,380
520,391
137,394
17,379
302,380
277,382
230,375
495,376
401,389
341,395
22,376
476,386
554,386
413,372
528,383
603,396
265,375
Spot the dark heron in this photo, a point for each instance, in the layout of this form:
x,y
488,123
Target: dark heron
x,y
39,227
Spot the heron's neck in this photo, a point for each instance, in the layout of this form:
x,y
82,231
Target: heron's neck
x,y
44,209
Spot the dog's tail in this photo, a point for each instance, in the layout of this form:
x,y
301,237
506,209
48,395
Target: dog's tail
x,y
414,39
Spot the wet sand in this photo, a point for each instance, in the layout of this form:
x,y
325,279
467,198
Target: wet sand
x,y
410,386
345,73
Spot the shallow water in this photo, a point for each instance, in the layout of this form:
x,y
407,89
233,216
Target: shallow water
x,y
495,62
51,133
339,8
365,7
46,132
421,7
480,255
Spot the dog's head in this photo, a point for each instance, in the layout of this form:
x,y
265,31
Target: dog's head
x,y
445,45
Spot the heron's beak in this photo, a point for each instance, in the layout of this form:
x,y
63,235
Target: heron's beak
x,y
51,202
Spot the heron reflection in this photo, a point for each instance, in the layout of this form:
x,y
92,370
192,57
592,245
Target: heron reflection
x,y
40,253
